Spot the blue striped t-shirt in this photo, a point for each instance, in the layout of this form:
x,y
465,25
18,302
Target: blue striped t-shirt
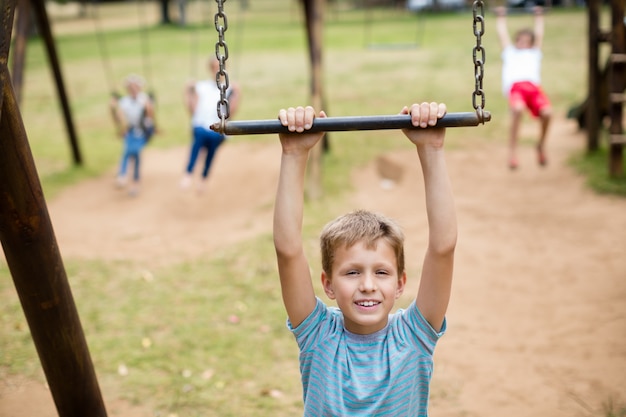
x,y
386,373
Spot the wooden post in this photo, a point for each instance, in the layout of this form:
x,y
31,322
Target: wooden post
x,y
592,113
23,25
43,24
34,259
314,13
617,86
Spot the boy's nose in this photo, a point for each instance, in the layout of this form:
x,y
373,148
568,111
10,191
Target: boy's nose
x,y
368,283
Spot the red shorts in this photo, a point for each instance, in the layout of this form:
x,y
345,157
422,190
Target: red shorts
x,y
530,94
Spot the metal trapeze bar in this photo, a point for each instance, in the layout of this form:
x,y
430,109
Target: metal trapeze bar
x,y
341,124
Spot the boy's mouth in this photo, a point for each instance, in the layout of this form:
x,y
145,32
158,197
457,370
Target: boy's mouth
x,y
367,303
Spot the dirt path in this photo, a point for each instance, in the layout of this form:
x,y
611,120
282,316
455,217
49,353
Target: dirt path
x,y
537,322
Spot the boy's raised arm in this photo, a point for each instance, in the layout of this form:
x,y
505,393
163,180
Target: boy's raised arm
x,y
501,28
436,280
293,267
538,27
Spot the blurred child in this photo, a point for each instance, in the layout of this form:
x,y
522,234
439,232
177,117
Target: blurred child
x,y
133,115
201,100
521,81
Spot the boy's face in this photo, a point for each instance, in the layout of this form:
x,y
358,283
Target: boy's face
x,y
365,284
524,41
133,88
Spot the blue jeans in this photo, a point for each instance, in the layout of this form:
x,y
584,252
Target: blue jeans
x,y
208,139
133,144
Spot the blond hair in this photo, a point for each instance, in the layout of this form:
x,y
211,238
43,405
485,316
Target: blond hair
x,y
360,226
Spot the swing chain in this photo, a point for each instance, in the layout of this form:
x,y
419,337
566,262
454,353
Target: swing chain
x,y
221,53
479,56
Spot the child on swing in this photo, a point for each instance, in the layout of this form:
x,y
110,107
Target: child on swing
x,y
521,80
360,359
133,115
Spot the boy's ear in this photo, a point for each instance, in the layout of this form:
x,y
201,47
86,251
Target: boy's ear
x,y
328,286
401,285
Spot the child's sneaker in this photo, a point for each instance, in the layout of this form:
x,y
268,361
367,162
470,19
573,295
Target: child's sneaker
x,y
120,181
185,182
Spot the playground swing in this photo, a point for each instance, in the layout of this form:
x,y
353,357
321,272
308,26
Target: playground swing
x,y
146,122
350,123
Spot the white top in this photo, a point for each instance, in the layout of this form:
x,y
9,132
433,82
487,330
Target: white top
x,y
520,65
206,108
133,109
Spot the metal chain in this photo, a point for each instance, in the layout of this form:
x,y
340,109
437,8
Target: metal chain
x,y
221,52
479,56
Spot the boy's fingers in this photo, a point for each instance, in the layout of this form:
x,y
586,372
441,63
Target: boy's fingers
x,y
282,116
424,114
309,115
433,113
415,114
299,119
442,110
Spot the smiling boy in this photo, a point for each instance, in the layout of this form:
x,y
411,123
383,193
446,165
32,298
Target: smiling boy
x,y
359,358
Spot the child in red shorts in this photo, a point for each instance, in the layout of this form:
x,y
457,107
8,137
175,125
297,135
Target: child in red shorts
x,y
521,81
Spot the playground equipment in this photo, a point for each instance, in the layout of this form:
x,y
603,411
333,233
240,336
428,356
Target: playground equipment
x,y
605,94
23,25
349,123
144,49
31,251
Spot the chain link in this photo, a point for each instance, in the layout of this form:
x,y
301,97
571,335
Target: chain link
x,y
479,56
221,53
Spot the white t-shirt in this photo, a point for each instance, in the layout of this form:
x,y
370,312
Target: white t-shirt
x,y
520,65
206,108
133,109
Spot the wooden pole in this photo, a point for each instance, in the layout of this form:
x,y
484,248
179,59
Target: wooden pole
x,y
592,113
23,26
314,13
34,259
43,24
617,86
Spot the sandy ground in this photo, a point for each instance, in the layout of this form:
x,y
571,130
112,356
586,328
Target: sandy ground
x,y
537,320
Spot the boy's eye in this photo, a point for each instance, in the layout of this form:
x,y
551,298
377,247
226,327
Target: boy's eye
x,y
382,272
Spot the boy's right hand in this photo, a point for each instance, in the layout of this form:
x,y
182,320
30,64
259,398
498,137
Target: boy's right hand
x,y
425,115
298,120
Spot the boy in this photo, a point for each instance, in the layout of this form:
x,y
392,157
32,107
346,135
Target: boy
x,y
360,360
521,80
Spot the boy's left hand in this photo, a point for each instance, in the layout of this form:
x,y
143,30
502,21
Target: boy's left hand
x,y
298,120
425,115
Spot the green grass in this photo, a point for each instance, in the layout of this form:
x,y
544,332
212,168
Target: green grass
x,y
594,166
172,327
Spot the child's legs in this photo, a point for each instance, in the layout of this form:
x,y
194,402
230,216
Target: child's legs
x,y
198,142
136,161
126,153
538,104
517,105
134,145
544,114
214,140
